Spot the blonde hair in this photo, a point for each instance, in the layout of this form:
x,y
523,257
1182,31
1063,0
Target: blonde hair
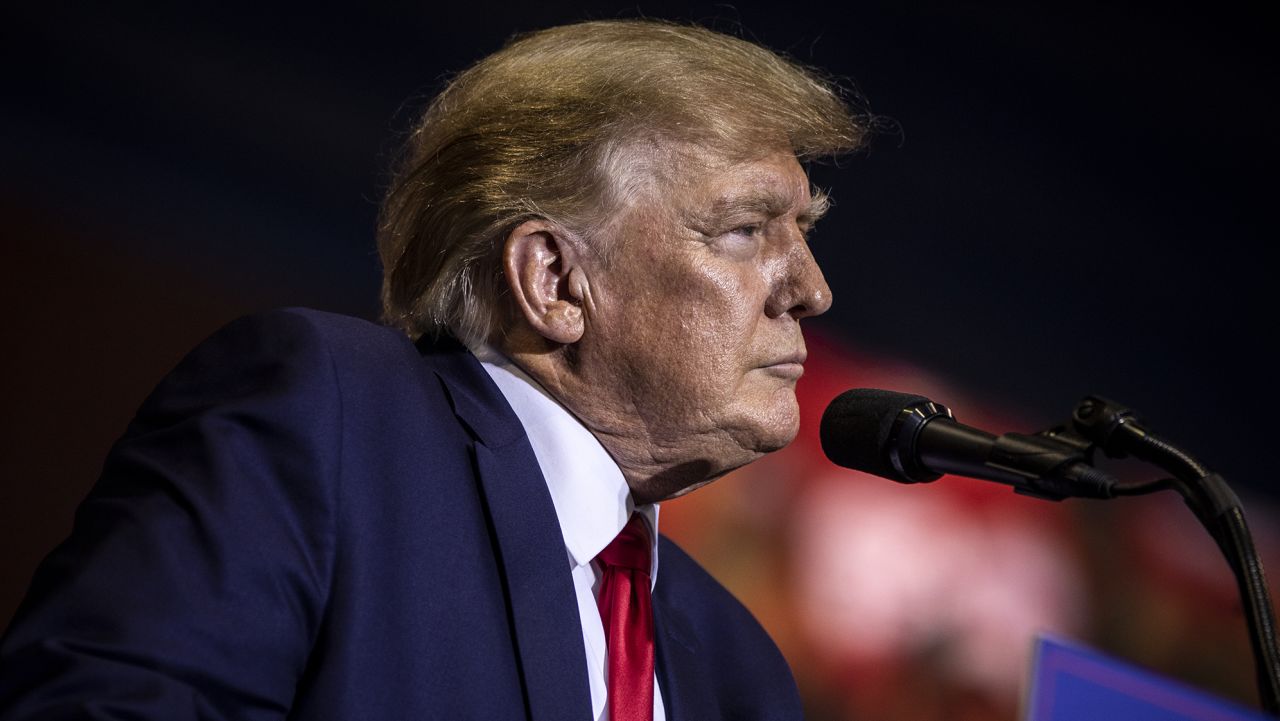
x,y
559,124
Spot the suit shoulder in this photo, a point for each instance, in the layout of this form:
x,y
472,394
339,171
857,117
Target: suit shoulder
x,y
368,349
296,360
301,339
289,328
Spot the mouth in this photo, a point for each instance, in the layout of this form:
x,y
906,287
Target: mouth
x,y
790,366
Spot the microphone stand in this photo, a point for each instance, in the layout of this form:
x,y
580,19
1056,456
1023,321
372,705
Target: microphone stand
x,y
1118,433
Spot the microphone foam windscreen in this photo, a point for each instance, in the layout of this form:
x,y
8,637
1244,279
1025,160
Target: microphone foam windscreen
x,y
856,426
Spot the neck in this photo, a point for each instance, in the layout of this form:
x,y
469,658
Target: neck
x,y
656,468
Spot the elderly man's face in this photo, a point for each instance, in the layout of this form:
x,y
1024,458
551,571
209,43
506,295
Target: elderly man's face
x,y
694,340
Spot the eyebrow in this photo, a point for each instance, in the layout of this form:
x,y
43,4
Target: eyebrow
x,y
818,206
771,206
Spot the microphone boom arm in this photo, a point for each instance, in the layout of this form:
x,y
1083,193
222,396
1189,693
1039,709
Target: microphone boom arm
x,y
1118,432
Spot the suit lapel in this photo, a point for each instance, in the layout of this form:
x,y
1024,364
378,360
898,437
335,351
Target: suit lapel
x,y
535,565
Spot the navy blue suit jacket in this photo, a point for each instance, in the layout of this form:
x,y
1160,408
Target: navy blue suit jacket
x,y
311,518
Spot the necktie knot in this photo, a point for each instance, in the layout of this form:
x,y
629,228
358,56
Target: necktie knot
x,y
631,549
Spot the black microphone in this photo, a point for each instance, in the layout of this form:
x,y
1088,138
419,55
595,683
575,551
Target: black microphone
x,y
910,439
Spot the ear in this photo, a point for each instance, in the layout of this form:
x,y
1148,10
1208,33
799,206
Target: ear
x,y
547,282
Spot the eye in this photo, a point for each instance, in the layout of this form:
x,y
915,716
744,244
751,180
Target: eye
x,y
742,242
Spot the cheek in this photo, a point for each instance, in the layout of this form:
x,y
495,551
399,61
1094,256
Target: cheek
x,y
715,335
713,366
720,304
689,327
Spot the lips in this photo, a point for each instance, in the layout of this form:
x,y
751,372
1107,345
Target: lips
x,y
798,358
787,366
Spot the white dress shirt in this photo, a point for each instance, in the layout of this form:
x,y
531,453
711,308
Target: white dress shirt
x,y
592,502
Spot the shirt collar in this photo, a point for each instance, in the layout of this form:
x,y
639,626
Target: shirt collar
x,y
591,497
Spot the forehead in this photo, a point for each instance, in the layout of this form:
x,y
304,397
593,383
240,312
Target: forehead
x,y
682,186
773,184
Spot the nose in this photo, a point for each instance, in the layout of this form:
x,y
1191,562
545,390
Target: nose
x,y
801,290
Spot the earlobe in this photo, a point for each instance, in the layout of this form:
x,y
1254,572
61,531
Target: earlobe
x,y
546,283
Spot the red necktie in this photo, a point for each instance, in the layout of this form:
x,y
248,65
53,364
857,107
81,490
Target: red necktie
x,y
628,622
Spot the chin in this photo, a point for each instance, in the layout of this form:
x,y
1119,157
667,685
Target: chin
x,y
775,428
777,441
757,440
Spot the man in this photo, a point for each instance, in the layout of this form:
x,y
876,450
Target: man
x,y
314,517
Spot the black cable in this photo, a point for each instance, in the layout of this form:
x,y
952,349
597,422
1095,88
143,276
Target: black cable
x,y
1140,488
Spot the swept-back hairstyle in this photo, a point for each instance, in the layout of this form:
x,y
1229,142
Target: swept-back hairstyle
x,y
559,124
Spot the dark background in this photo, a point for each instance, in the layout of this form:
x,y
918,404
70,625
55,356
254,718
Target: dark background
x,y
1065,199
